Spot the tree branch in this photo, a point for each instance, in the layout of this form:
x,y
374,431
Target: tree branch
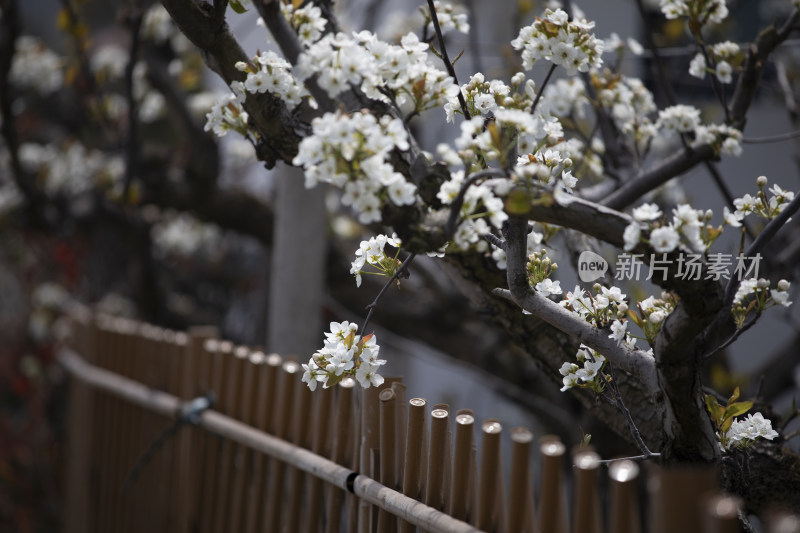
x,y
280,130
447,64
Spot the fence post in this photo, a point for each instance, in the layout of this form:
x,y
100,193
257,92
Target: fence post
x,y
624,517
520,498
722,514
462,484
414,453
552,504
490,481
80,419
388,459
586,513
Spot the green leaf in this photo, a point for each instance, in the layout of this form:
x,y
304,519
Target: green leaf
x,y
714,409
737,408
734,396
237,6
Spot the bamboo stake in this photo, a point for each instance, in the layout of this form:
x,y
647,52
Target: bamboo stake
x,y
624,516
301,435
196,383
81,418
676,498
552,503
490,476
322,411
284,413
586,512
241,455
388,459
723,514
414,453
520,509
437,454
345,414
460,497
265,398
212,462
182,375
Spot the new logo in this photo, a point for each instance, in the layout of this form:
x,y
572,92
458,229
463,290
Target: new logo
x,y
591,266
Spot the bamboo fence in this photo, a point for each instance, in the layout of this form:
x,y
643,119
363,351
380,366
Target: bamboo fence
x,y
271,456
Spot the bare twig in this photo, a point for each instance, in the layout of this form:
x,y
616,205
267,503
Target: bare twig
x,y
620,404
132,141
455,207
772,138
447,64
399,272
541,89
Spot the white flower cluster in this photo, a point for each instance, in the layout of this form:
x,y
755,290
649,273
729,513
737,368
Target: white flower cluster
x,y
652,313
372,253
755,295
629,103
36,67
184,235
688,224
480,203
725,56
451,18
350,152
725,139
701,11
483,96
549,168
607,308
344,354
307,21
554,38
228,114
762,205
743,433
270,72
565,97
586,376
389,73
679,118
71,169
157,25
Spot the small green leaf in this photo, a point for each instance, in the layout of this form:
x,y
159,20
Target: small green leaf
x,y
734,396
237,6
726,425
714,408
737,408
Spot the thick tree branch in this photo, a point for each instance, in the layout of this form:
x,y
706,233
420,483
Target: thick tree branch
x,y
637,362
650,179
280,130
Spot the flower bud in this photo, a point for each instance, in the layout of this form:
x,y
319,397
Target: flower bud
x,y
567,162
709,214
761,181
763,283
241,66
783,285
596,287
622,308
657,317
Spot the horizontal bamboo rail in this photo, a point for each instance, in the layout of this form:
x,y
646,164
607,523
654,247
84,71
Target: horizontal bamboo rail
x,y
362,486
